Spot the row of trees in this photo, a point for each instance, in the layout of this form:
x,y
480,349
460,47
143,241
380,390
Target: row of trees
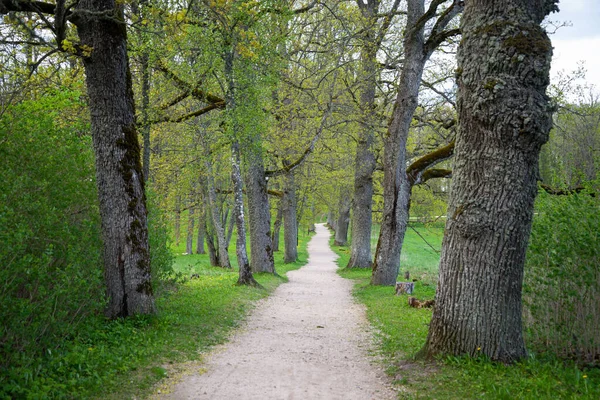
x,y
241,100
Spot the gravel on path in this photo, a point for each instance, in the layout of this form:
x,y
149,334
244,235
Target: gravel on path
x,y
308,340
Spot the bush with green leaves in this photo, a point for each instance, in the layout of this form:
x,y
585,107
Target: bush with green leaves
x,y
50,275
562,277
51,283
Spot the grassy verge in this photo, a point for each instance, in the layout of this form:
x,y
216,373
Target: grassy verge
x,y
402,332
125,359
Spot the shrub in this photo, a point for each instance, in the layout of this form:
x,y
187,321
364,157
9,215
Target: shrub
x,y
50,275
562,277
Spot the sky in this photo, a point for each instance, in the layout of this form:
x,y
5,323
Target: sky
x,y
579,42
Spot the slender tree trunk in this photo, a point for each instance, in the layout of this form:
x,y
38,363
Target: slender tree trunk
x,y
201,231
216,220
213,250
189,242
245,273
290,222
230,226
504,116
341,233
277,226
145,126
259,215
177,222
118,167
331,220
364,164
396,188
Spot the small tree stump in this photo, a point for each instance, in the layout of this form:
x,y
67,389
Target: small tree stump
x,y
404,287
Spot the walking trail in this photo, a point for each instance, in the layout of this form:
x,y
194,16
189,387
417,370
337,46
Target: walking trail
x,y
308,340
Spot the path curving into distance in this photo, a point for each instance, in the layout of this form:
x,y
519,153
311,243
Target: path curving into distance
x,y
308,340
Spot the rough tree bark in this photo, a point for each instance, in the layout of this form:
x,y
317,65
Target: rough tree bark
x,y
341,231
118,168
504,118
290,220
396,186
259,215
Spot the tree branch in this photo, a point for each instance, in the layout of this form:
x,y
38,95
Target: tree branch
x,y
563,192
435,173
195,91
26,6
416,170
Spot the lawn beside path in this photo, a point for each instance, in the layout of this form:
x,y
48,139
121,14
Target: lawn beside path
x,y
402,331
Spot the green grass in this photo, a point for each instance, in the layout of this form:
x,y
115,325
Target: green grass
x,y
401,332
126,358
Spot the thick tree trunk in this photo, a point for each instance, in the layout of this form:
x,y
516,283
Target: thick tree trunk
x,y
396,188
201,231
290,222
341,232
118,165
189,242
259,215
504,115
364,164
277,226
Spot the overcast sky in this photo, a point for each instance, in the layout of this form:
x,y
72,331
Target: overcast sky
x,y
579,42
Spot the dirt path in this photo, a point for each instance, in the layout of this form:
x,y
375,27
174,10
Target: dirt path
x,y
308,340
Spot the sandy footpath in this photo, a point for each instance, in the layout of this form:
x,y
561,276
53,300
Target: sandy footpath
x,y
308,340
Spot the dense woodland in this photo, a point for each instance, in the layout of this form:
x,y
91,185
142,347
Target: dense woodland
x,y
128,129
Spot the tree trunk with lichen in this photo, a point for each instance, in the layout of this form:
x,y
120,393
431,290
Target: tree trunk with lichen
x,y
118,166
245,276
504,116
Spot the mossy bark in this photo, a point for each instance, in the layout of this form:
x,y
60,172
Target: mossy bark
x,y
502,127
118,165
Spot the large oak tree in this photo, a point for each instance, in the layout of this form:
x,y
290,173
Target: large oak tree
x,y
504,119
103,47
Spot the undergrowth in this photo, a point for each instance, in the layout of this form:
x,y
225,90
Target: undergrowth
x,y
125,358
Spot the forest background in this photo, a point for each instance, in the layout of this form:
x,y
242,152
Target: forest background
x,y
234,100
